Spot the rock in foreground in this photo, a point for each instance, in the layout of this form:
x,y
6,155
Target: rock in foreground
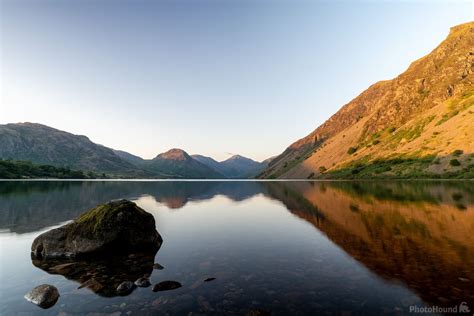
x,y
115,227
44,295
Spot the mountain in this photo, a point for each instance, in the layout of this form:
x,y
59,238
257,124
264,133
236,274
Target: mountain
x,y
49,148
41,144
267,161
419,124
176,163
241,167
236,167
134,160
211,163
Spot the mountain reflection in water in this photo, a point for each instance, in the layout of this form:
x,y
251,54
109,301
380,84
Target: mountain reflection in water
x,y
418,234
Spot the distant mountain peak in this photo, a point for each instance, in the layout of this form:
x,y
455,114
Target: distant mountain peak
x,y
238,157
174,154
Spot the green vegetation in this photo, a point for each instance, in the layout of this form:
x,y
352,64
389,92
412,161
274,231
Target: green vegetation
x,y
27,170
457,105
375,142
91,221
322,169
351,150
397,167
412,132
454,163
354,208
458,152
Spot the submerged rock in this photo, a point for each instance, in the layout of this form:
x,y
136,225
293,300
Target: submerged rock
x,y
101,275
44,295
143,282
92,284
209,279
115,227
158,266
125,288
166,286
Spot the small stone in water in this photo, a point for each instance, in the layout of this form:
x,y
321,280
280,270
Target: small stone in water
x,y
209,279
142,282
166,285
158,266
44,295
125,288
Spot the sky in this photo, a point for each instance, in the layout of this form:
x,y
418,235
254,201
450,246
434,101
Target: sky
x,y
211,77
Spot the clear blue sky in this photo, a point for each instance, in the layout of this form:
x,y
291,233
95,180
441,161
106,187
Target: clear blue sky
x,y
211,77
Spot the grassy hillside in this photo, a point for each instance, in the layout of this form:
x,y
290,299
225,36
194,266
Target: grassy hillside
x,y
41,144
419,124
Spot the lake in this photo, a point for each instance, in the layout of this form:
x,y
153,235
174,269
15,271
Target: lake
x,y
254,248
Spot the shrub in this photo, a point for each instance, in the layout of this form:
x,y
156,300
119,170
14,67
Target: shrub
x,y
322,169
354,208
458,152
454,162
375,142
311,175
391,129
351,150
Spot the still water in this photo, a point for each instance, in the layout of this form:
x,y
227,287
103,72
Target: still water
x,y
296,248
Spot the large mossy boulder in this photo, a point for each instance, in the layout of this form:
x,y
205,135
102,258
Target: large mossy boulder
x,y
112,228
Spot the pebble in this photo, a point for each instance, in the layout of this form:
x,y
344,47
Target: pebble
x,y
143,282
209,279
158,266
125,288
44,295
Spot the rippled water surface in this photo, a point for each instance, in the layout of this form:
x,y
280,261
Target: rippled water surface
x,y
263,247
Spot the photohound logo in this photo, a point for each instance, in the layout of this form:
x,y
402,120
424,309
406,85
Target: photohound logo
x,y
461,308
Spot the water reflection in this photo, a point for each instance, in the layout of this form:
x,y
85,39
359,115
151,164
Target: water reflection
x,y
30,206
102,276
418,234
